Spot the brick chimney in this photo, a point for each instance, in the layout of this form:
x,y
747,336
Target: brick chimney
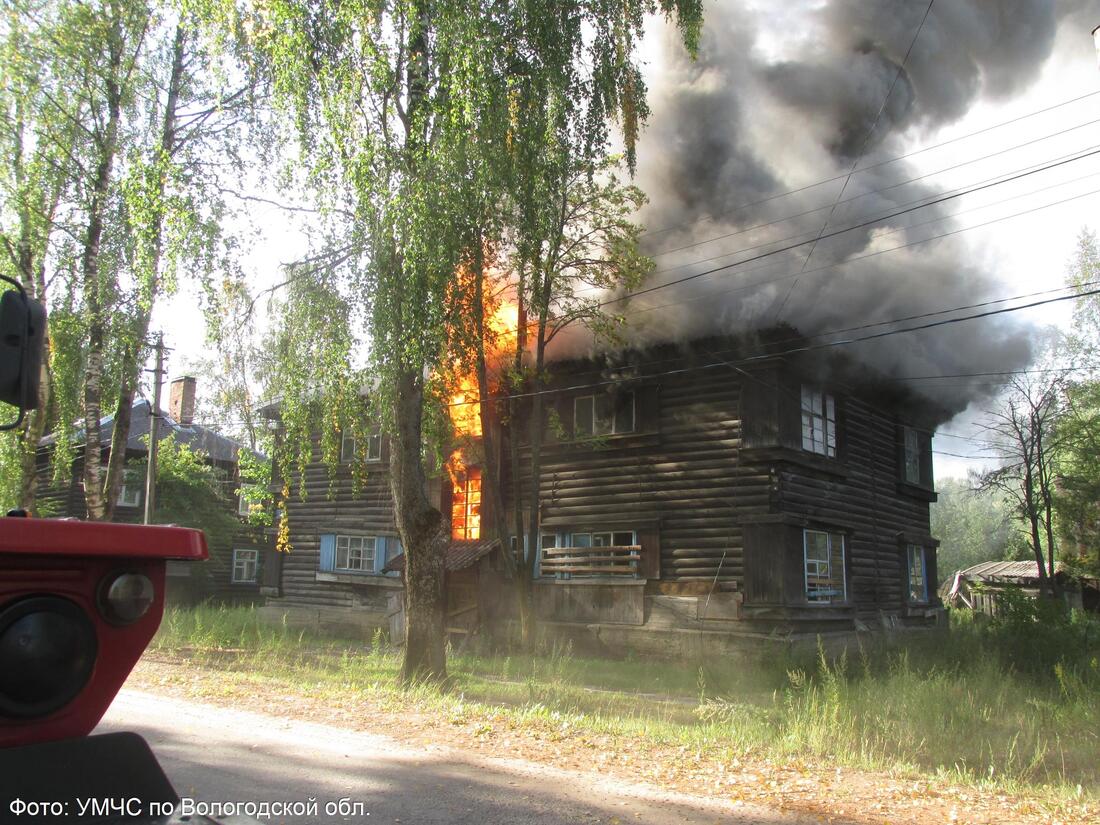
x,y
181,400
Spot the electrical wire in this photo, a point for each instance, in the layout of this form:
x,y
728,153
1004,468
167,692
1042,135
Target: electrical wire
x,y
877,165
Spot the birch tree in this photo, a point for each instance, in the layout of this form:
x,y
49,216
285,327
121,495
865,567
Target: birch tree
x,y
381,93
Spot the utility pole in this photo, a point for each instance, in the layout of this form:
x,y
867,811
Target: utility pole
x,y
154,421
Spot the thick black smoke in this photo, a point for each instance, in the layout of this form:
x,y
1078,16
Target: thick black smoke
x,y
773,104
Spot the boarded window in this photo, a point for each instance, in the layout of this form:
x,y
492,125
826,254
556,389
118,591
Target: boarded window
x,y
824,562
918,574
818,422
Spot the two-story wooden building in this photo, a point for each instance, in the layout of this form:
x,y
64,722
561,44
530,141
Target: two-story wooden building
x,y
232,573
686,499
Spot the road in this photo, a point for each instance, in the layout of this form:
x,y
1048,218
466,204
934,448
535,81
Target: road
x,y
214,754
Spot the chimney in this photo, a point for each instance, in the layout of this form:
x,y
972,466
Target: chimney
x,y
181,400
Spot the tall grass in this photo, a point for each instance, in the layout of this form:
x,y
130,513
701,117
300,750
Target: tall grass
x,y
984,703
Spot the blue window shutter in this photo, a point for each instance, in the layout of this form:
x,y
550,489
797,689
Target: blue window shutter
x,y
380,553
328,553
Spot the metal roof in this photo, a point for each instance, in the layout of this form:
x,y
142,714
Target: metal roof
x,y
217,447
1003,570
459,554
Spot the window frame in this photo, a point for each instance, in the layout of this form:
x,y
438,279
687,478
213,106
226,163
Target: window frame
x,y
830,535
922,554
915,452
374,447
363,568
244,506
123,500
567,538
612,414
347,446
238,562
823,420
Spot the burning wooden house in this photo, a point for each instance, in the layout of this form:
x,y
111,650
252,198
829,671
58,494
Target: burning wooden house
x,y
684,501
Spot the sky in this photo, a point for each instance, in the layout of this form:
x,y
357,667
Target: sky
x,y
1024,253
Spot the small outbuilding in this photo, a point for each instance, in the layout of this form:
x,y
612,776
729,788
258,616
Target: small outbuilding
x,y
475,585
978,587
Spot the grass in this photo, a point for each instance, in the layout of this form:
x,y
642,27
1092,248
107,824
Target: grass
x,y
962,708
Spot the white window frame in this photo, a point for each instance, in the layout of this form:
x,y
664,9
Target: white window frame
x,y
242,564
611,429
374,447
916,551
243,504
366,563
818,421
347,445
819,565
132,484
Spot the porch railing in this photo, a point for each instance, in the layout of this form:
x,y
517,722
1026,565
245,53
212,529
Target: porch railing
x,y
622,561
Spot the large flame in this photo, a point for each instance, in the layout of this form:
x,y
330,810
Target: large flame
x,y
502,317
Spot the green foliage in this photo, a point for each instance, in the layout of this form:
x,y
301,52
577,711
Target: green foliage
x,y
255,488
191,492
972,525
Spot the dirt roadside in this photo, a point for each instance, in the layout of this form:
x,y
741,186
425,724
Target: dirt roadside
x,y
827,793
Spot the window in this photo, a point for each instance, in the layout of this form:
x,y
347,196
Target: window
x,y
610,539
818,422
466,504
916,457
912,456
918,575
245,563
607,414
374,447
355,553
824,561
588,564
244,506
129,495
348,446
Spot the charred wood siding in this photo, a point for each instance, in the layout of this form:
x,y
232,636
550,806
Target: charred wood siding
x,y
879,519
334,503
717,480
677,481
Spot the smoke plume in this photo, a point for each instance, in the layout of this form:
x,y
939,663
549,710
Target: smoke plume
x,y
778,101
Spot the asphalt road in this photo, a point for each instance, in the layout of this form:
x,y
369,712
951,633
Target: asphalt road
x,y
212,754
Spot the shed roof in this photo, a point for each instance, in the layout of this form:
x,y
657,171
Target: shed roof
x,y
459,554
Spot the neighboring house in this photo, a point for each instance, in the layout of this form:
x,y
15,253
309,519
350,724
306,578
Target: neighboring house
x,y
342,535
979,587
681,506
232,571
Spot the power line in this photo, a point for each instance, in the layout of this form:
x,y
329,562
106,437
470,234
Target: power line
x,y
880,164
771,355
880,191
838,232
741,287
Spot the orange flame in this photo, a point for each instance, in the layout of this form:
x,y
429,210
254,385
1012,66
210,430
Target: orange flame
x,y
501,322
